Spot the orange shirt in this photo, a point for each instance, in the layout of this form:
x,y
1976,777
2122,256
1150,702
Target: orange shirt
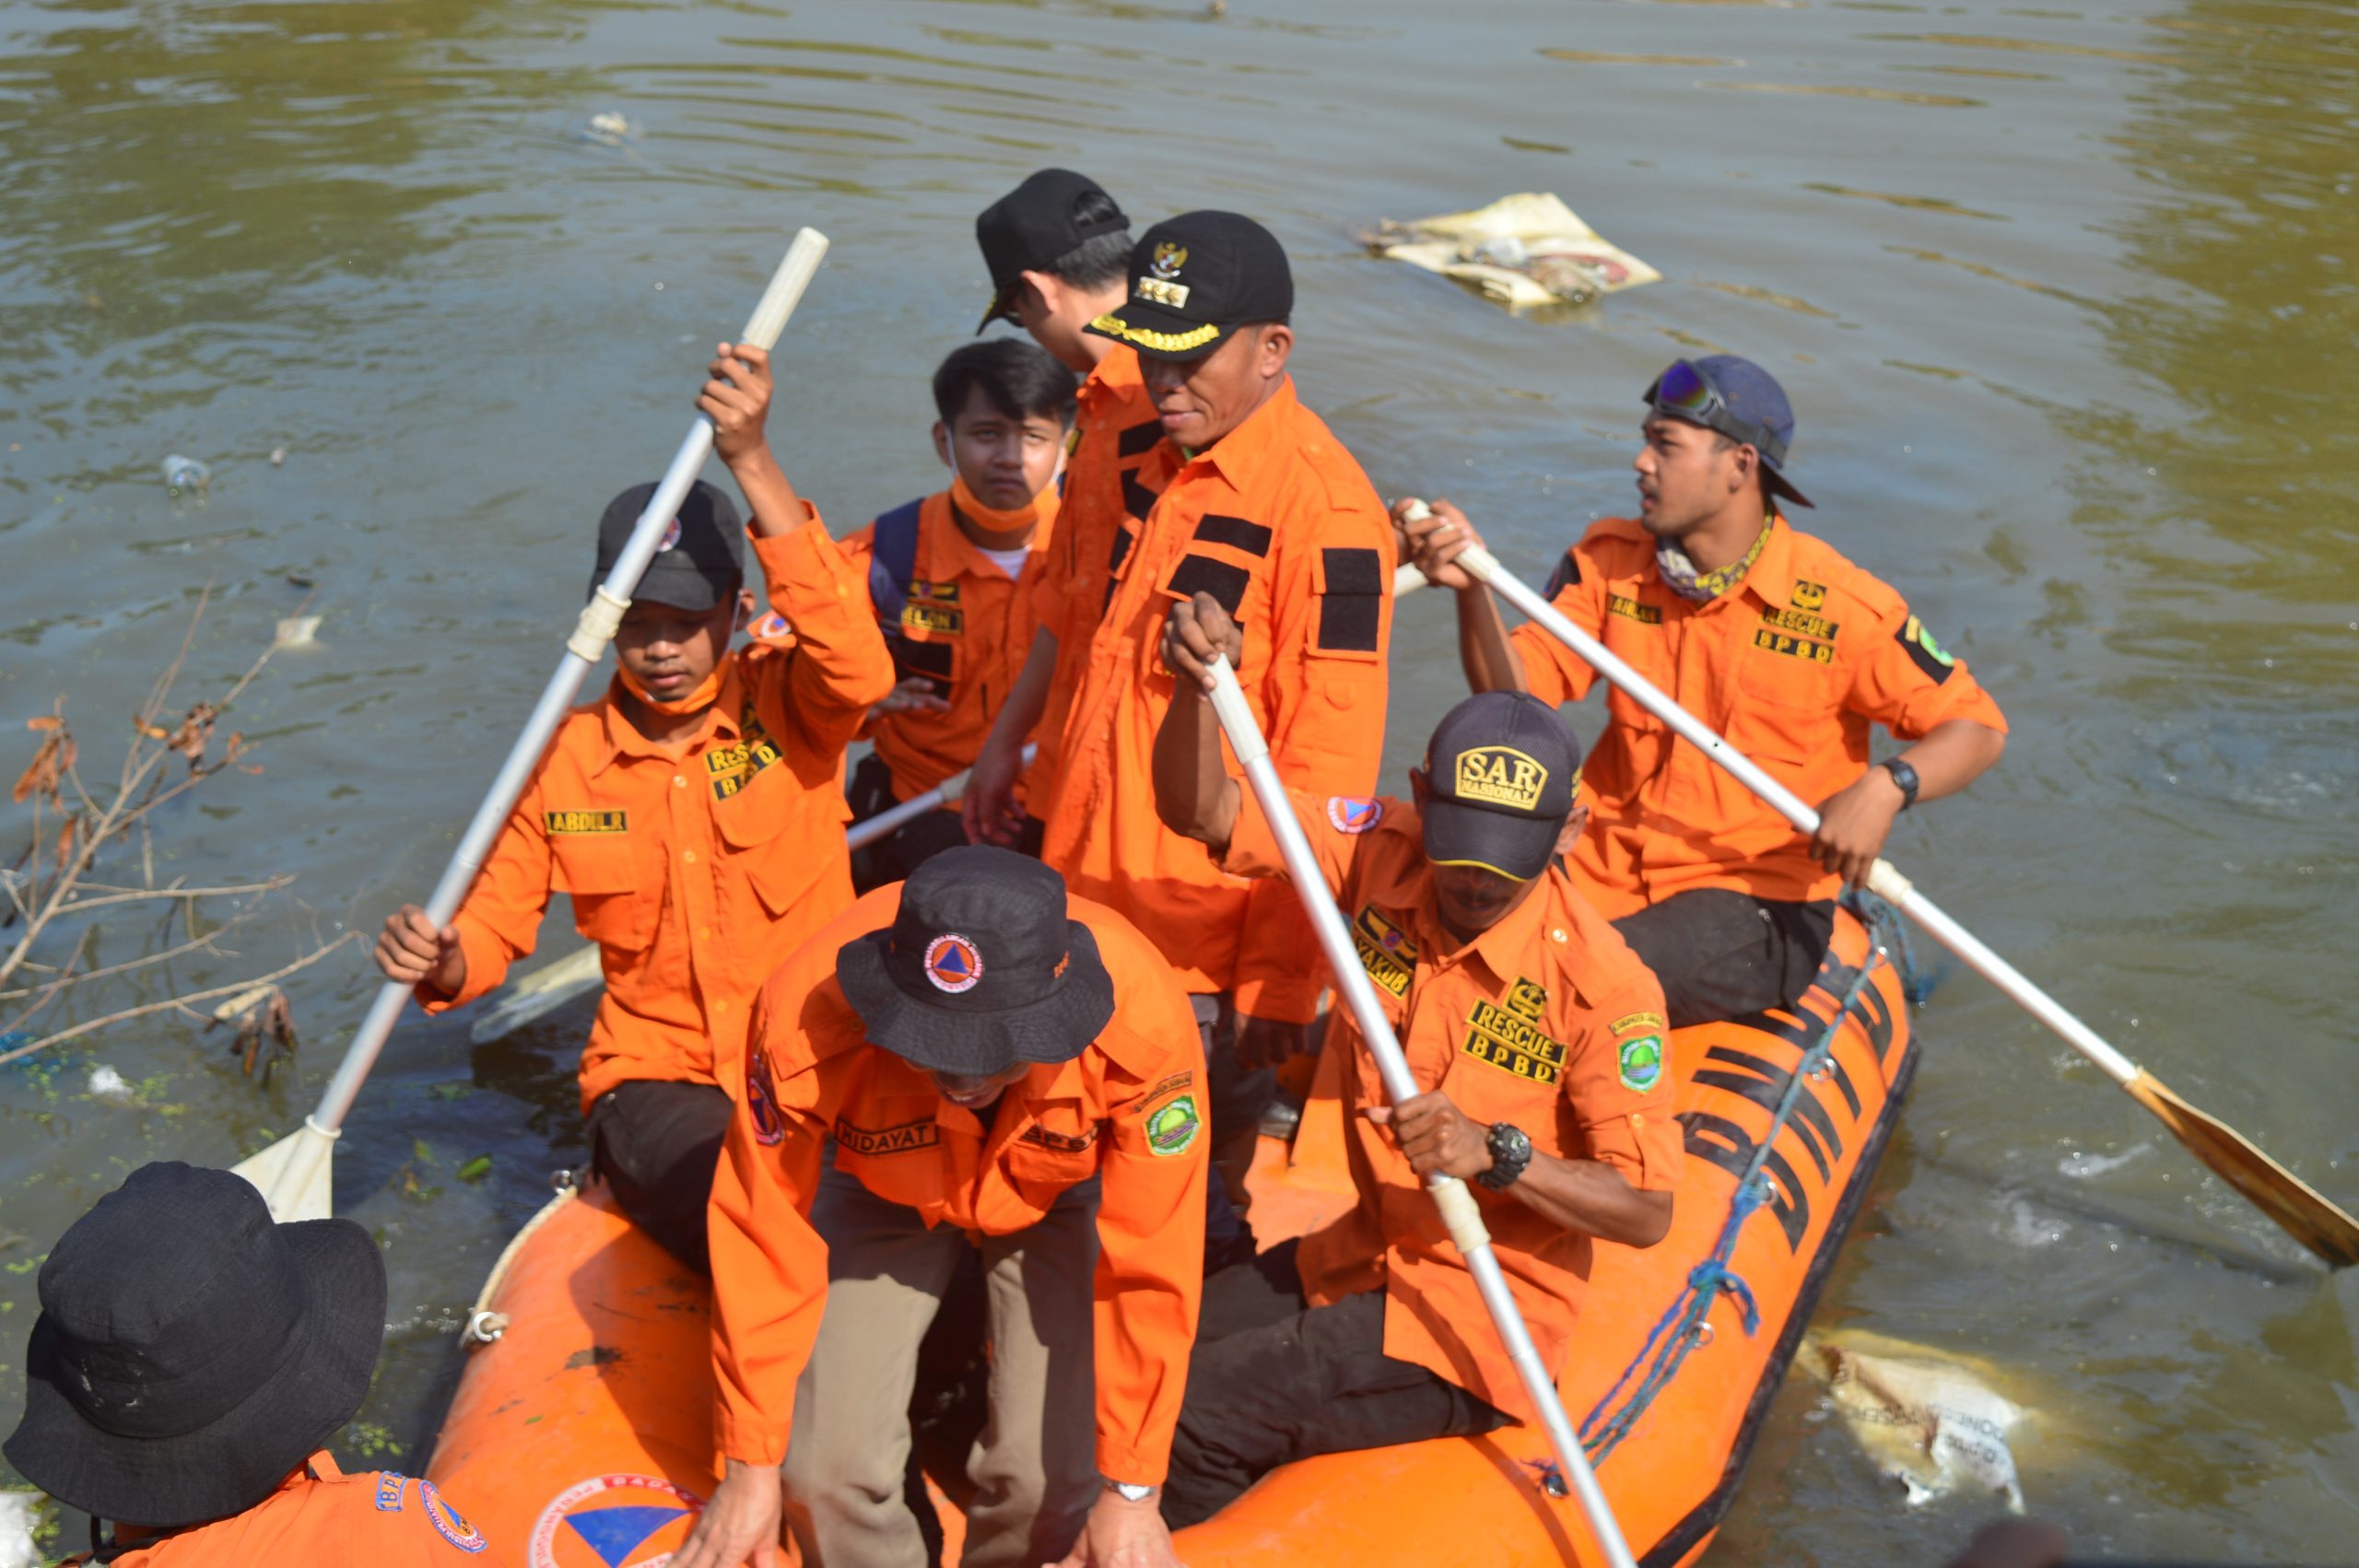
x,y
966,626
1547,1021
695,867
1789,666
1128,1109
321,1514
1278,523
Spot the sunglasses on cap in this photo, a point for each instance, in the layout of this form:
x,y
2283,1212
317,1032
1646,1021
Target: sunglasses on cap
x,y
1685,392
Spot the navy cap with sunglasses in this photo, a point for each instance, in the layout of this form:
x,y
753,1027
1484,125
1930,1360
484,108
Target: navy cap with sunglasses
x,y
1735,398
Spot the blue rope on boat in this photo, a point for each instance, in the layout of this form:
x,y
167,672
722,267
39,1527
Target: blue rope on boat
x,y
1891,933
1669,1343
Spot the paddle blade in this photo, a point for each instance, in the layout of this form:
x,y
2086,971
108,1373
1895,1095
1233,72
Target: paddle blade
x,y
292,1174
2285,1198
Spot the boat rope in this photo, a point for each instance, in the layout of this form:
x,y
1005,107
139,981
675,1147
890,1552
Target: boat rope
x,y
1682,1328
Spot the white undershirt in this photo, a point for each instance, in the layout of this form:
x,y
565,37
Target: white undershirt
x,y
1009,561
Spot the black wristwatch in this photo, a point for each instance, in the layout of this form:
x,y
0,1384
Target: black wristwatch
x,y
1510,1152
1904,776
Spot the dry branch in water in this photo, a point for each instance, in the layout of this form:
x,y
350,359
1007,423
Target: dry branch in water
x,y
48,882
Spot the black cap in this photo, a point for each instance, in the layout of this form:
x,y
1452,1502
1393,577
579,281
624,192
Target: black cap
x,y
982,969
1499,775
1035,223
703,556
189,1352
1197,278
1735,398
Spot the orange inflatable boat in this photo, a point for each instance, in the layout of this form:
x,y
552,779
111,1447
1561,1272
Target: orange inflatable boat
x,y
580,1434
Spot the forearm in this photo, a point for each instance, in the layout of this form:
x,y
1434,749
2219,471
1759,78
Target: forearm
x,y
1193,793
1590,1196
1490,662
1953,755
778,510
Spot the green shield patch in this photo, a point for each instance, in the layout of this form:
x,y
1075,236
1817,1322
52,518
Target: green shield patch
x,y
1171,1128
1642,1062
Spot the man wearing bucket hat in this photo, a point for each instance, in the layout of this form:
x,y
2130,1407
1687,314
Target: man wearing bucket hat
x,y
1540,1037
967,1059
190,1362
693,811
1244,493
1767,636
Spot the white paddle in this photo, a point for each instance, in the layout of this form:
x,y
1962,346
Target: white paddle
x,y
1460,1213
553,984
293,1173
2308,1216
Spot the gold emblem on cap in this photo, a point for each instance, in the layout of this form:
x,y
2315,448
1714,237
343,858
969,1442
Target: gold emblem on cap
x,y
1168,259
1501,776
1157,291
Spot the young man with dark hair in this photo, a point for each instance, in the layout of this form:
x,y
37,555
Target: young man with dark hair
x,y
953,579
1768,637
1541,1036
693,811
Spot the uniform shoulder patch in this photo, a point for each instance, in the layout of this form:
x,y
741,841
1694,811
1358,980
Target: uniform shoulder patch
x,y
390,1486
761,1099
1354,813
446,1520
1641,1058
1923,651
1172,1119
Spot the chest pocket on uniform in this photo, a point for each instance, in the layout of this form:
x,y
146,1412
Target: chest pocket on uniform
x,y
1505,1066
1057,1151
601,873
1789,684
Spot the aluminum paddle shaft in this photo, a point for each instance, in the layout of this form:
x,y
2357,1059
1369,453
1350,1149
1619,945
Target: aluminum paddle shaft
x,y
1460,1213
296,1182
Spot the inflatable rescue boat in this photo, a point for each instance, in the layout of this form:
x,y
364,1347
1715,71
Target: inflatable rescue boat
x,y
581,1430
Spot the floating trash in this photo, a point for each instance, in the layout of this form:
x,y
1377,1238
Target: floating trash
x,y
106,1083
1523,252
20,1518
186,475
278,457
1926,1418
608,130
296,631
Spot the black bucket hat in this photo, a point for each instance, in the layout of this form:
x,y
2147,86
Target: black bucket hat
x,y
1499,777
982,969
189,1352
701,559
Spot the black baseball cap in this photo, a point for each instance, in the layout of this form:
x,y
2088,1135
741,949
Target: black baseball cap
x,y
982,969
1737,398
1035,223
1196,279
189,1352
1499,776
703,556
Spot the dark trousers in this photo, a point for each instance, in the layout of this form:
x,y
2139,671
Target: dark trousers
x,y
892,858
1721,954
1235,1096
1273,1380
656,1144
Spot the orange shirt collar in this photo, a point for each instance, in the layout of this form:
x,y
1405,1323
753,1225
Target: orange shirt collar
x,y
1267,432
1772,576
622,738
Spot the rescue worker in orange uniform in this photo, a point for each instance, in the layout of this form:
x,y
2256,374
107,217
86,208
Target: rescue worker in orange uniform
x,y
1538,1043
1771,638
1249,497
191,1362
953,580
694,812
965,1061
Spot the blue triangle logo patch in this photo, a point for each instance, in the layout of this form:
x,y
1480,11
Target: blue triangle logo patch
x,y
613,1532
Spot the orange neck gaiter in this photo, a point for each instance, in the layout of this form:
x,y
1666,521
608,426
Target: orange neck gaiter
x,y
1041,508
695,701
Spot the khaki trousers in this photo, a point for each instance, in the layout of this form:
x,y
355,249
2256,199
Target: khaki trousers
x,y
1035,1467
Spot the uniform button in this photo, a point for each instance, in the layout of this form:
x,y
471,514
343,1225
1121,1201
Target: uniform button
x,y
1637,1119
679,782
1557,934
720,1007
690,857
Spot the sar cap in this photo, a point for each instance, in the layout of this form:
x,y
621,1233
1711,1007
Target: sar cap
x,y
1196,279
1499,773
702,559
1035,223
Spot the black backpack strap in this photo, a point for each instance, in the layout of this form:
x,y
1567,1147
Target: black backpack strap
x,y
892,563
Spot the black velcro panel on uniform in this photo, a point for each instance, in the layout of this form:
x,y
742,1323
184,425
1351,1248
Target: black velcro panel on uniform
x,y
1123,540
930,660
1351,611
1137,499
1139,438
1234,531
1202,573
1567,574
1919,654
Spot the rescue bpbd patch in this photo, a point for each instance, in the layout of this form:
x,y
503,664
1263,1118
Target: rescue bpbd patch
x,y
1386,952
1501,775
1794,647
1513,1044
1641,1062
1801,623
1172,1126
875,1142
730,768
584,821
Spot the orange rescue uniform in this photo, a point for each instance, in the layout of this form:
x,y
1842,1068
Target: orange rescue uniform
x,y
966,626
1791,665
1129,1109
320,1514
1278,523
695,867
1547,1021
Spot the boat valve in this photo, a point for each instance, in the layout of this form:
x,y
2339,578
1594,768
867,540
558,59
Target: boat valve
x,y
484,1326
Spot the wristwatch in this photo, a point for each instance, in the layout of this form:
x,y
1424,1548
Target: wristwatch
x,y
1904,776
1510,1152
1129,1492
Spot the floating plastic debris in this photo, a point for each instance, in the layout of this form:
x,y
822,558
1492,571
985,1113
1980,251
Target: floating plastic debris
x,y
19,1518
186,475
106,1083
1926,1418
1523,252
296,631
608,130
278,457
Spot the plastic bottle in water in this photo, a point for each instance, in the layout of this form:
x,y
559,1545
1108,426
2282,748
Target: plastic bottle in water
x,y
185,475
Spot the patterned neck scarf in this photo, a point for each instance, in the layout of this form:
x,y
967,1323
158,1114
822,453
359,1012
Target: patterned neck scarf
x,y
1679,573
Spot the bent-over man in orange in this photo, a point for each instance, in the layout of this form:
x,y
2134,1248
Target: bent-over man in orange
x,y
953,579
191,1362
1248,497
966,1060
1770,637
693,813
1539,1047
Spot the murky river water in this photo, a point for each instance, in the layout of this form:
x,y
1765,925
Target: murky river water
x,y
2064,297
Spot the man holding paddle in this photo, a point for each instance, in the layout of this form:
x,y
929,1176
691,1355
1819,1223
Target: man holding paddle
x,y
1770,638
1536,1037
693,813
